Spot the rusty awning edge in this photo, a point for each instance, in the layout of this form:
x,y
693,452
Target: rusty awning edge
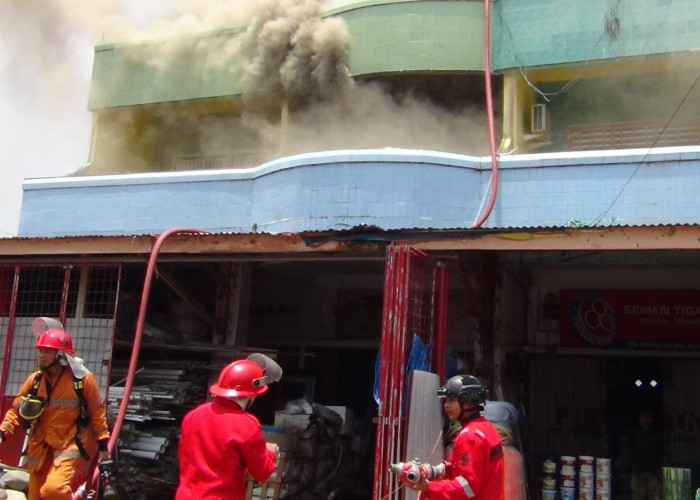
x,y
361,241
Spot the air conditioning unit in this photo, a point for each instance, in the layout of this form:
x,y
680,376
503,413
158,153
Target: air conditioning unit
x,y
539,119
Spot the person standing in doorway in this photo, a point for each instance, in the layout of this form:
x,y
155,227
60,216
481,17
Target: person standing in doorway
x,y
475,469
646,452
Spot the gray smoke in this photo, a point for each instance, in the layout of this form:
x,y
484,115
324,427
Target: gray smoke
x,y
288,46
365,116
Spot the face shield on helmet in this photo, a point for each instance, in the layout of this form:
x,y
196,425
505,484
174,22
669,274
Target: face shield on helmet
x,y
55,338
41,324
31,407
464,387
272,372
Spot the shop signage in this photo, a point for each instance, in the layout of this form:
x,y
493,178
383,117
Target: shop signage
x,y
631,319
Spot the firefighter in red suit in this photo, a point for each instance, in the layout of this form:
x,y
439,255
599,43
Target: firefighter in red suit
x,y
475,469
220,441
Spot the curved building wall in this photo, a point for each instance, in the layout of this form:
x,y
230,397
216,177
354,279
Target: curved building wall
x,y
418,36
385,38
388,189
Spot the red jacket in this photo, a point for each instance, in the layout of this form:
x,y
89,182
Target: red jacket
x,y
218,443
475,470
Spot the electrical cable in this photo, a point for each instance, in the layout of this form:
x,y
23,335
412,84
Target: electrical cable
x,y
564,88
611,15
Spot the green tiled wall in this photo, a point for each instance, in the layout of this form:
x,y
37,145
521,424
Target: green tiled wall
x,y
390,36
416,36
151,72
546,32
386,37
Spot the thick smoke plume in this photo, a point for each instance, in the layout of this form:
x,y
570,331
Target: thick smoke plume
x,y
289,46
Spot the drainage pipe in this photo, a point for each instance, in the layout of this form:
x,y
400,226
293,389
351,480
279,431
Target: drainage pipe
x,y
489,114
135,350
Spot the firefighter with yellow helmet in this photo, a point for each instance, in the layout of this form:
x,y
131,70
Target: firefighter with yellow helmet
x,y
62,411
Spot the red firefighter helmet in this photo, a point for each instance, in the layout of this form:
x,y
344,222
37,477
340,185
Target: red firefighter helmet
x,y
240,379
55,338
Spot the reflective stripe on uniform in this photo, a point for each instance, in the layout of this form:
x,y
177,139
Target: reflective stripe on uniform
x,y
64,403
465,486
63,454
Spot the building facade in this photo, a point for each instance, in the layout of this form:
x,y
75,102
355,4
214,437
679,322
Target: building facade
x,y
287,171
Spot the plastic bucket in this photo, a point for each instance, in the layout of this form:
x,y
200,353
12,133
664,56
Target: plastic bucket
x,y
568,480
586,463
549,466
602,466
568,470
568,493
549,482
602,494
549,494
586,494
586,480
602,482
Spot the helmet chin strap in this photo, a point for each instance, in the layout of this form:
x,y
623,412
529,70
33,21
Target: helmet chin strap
x,y
55,362
465,413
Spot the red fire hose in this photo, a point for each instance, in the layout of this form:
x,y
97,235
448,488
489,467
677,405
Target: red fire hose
x,y
136,348
489,112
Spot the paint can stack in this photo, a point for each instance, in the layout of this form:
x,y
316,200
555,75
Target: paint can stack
x,y
586,477
549,479
568,477
589,481
602,478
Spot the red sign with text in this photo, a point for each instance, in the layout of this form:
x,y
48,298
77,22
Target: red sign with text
x,y
633,319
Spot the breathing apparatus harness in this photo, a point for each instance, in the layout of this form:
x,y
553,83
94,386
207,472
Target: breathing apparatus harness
x,y
32,406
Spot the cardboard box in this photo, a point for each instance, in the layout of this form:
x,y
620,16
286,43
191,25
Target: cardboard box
x,y
294,421
285,439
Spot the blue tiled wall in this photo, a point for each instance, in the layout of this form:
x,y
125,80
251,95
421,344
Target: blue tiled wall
x,y
391,189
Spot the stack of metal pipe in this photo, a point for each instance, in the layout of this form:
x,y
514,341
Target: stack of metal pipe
x,y
146,451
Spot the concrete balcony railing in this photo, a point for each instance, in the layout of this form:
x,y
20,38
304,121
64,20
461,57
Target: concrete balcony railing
x,y
237,159
631,135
